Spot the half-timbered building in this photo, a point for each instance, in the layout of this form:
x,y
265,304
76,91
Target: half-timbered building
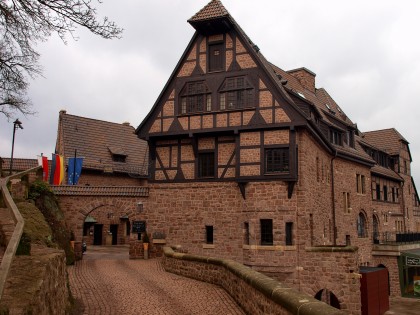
x,y
255,163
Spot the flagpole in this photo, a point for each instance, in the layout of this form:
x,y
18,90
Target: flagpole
x,y
74,166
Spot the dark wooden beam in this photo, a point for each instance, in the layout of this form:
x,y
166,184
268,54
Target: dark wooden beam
x,y
290,187
241,186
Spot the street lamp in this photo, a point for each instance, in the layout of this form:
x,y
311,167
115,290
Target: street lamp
x,y
16,124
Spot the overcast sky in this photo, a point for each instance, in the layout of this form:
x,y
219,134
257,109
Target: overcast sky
x,y
366,54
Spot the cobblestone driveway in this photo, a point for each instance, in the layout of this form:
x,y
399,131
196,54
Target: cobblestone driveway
x,y
109,283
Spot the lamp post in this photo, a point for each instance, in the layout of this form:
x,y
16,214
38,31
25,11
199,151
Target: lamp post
x,y
16,124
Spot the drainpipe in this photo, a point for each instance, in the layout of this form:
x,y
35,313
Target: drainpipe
x,y
403,206
333,200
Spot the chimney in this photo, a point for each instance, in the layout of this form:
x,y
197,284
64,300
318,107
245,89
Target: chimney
x,y
306,77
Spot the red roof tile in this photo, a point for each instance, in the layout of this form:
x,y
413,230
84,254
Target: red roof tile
x,y
385,172
97,141
387,140
124,191
19,164
214,9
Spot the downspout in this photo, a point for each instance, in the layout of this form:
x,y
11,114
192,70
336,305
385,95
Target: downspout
x,y
333,200
403,206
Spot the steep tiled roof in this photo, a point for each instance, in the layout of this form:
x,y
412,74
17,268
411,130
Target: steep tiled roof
x,y
214,9
19,164
387,140
320,98
98,140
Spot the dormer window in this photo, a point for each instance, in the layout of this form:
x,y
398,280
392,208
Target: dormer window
x,y
236,93
118,154
195,98
335,137
119,158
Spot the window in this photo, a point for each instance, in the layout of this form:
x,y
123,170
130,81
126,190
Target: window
x,y
378,192
195,97
361,225
335,137
209,234
399,225
236,93
361,184
394,195
289,233
385,193
246,235
277,160
266,231
206,165
346,202
118,158
215,58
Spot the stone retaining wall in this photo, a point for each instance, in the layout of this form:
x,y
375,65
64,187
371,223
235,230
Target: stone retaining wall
x,y
37,284
253,291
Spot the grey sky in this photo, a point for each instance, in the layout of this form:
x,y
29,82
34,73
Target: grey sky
x,y
366,54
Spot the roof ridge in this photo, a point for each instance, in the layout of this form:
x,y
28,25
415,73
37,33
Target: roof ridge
x,y
99,120
214,9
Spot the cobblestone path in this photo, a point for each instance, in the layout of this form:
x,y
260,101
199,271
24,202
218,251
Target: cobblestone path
x,y
113,284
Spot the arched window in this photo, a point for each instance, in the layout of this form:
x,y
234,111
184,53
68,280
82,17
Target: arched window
x,y
195,97
361,225
375,226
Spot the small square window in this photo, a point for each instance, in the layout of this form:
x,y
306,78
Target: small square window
x,y
277,160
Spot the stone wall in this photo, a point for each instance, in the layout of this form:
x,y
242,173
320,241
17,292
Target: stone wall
x,y
253,291
391,263
155,249
37,284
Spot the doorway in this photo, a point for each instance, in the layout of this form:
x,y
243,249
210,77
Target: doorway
x,y
97,234
114,230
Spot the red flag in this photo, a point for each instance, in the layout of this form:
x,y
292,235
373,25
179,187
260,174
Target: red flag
x,y
57,170
45,168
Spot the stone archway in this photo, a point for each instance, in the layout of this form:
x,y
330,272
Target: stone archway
x,y
328,297
105,223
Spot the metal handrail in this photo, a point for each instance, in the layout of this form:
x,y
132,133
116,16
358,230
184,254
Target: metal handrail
x,y
396,237
12,246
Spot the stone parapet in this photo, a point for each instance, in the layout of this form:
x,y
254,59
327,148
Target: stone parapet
x,y
253,291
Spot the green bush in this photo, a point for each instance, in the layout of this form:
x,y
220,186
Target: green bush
x,y
38,189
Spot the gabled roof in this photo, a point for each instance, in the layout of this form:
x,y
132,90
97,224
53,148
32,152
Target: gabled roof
x,y
214,9
97,141
387,140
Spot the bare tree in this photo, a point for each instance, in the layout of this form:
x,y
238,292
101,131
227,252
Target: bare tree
x,y
23,23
